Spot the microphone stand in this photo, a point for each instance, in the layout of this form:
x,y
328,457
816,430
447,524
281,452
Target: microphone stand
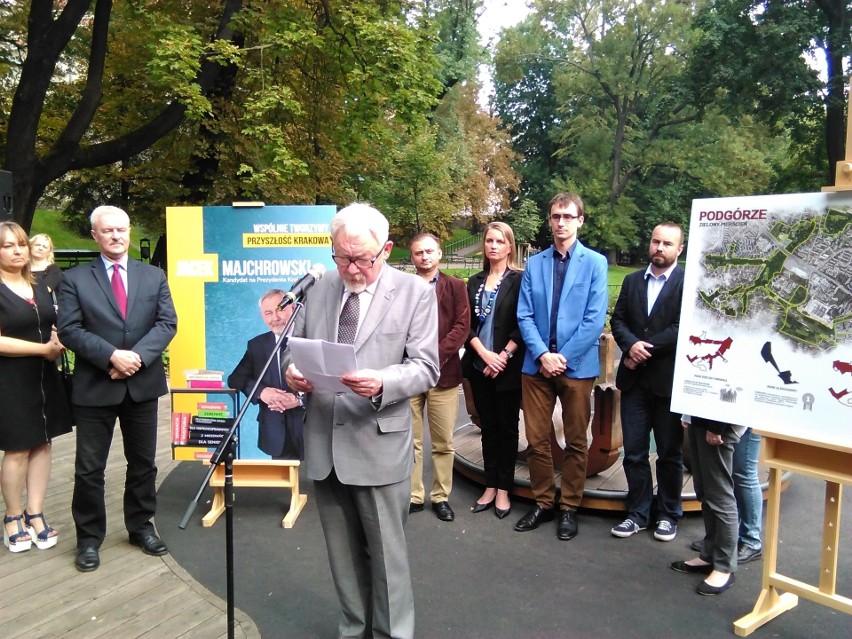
x,y
226,452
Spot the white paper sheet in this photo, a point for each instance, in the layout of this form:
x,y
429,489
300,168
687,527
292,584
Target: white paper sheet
x,y
323,363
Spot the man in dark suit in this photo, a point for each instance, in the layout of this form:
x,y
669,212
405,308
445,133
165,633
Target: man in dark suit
x,y
645,324
116,315
561,314
280,412
442,402
358,444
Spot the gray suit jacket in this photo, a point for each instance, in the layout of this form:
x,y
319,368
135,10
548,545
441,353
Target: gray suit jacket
x,y
369,442
91,326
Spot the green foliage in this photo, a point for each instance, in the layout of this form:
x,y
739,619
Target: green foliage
x,y
730,68
607,89
416,186
526,222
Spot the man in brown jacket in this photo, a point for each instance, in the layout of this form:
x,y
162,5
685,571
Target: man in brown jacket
x,y
442,402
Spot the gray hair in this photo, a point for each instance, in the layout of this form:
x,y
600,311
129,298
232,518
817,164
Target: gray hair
x,y
273,292
361,219
100,211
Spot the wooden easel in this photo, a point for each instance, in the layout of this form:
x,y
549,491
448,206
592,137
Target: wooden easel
x,y
829,461
258,473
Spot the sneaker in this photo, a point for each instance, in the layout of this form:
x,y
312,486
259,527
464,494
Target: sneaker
x,y
666,530
626,528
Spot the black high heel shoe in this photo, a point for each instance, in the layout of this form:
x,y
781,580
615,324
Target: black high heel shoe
x,y
481,508
500,513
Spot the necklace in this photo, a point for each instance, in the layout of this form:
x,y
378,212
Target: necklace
x,y
482,313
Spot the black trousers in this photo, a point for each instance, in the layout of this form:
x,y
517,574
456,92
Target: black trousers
x,y
95,425
499,413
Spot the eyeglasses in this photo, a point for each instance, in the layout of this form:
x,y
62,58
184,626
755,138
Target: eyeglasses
x,y
342,260
555,217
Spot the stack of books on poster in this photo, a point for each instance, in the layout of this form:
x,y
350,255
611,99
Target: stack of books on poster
x,y
209,425
196,437
200,378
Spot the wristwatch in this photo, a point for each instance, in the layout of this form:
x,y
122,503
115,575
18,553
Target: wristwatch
x,y
509,353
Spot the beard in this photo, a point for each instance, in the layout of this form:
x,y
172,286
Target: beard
x,y
661,261
358,286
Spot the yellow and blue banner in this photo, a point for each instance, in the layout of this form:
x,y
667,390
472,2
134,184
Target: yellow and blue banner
x,y
221,260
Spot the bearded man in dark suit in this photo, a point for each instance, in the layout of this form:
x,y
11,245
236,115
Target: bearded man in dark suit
x,y
645,323
116,314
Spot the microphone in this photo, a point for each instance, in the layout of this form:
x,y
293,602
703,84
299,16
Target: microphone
x,y
298,290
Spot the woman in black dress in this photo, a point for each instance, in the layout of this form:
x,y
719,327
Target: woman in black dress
x,y
41,261
492,364
33,407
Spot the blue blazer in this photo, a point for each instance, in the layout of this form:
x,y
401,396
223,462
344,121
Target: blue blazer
x,y
582,311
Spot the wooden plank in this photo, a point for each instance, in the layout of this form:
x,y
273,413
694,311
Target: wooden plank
x,y
150,592
130,595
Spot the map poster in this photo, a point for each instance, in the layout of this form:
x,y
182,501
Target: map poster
x,y
765,335
221,260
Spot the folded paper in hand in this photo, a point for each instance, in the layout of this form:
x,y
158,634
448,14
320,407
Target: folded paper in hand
x,y
323,363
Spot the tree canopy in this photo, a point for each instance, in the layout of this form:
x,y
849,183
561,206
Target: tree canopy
x,y
161,102
638,106
642,106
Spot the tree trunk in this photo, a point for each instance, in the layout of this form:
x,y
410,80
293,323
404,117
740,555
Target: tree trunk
x,y
47,37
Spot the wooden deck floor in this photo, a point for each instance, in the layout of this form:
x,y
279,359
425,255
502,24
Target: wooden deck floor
x,y
131,595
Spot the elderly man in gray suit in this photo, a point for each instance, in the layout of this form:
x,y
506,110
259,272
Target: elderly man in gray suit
x,y
358,445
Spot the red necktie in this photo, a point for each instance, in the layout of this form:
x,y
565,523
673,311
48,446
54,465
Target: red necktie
x,y
118,290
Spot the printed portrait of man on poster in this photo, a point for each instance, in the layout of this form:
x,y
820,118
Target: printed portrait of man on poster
x,y
765,335
221,261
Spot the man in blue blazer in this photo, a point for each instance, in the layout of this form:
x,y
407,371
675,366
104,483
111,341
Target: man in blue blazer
x,y
561,313
645,324
117,316
280,413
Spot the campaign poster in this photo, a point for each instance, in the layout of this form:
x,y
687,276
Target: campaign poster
x,y
765,335
221,260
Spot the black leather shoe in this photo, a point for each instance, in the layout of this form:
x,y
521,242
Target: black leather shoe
x,y
499,513
481,508
443,511
414,508
746,554
87,559
149,543
536,516
566,527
